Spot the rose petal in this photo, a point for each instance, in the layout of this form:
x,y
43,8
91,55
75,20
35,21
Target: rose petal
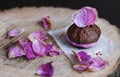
x,y
53,51
39,35
39,48
86,16
46,69
83,57
98,64
27,46
80,67
46,23
23,42
15,32
15,51
29,51
93,9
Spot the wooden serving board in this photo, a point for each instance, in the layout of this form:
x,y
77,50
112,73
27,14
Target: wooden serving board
x,y
29,19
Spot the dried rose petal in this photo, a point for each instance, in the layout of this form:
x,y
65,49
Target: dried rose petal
x,y
53,51
88,63
93,9
86,16
27,46
15,51
15,32
46,23
23,42
49,46
98,64
80,67
46,69
29,51
83,57
37,35
39,48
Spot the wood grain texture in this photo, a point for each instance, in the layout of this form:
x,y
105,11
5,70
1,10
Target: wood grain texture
x,y
29,19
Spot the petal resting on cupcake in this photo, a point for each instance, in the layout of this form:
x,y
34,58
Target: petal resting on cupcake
x,y
86,16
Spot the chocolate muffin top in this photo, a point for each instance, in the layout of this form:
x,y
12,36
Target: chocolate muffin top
x,y
83,35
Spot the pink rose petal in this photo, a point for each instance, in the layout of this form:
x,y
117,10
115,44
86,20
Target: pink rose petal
x,y
93,9
27,46
29,51
39,48
86,16
39,35
46,70
55,53
52,50
15,32
80,67
46,23
15,51
88,63
23,42
98,64
83,57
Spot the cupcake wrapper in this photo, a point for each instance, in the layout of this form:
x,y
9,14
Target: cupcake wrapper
x,y
81,45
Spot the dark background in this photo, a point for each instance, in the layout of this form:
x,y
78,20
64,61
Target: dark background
x,y
109,9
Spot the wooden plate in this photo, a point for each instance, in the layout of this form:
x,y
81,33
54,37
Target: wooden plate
x,y
29,19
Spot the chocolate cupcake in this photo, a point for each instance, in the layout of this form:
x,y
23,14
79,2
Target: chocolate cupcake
x,y
84,32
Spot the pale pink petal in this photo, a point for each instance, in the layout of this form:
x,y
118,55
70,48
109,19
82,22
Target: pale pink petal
x,y
39,48
79,18
46,70
86,16
37,35
80,67
15,32
29,51
98,64
15,51
46,23
93,9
